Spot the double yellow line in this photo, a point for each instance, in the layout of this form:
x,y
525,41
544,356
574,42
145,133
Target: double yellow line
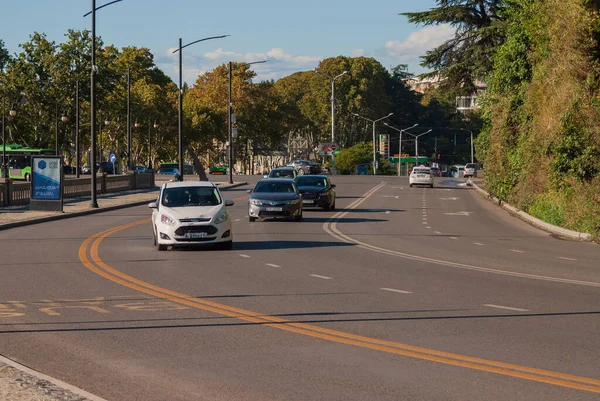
x,y
89,256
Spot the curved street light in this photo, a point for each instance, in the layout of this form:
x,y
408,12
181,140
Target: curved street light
x,y
374,148
180,111
332,113
400,130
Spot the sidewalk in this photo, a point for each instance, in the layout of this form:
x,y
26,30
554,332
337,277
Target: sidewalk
x,y
17,382
22,216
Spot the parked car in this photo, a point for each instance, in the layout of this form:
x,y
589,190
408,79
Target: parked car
x,y
218,170
282,172
275,197
470,170
140,169
106,167
421,175
317,191
86,170
305,167
189,213
168,171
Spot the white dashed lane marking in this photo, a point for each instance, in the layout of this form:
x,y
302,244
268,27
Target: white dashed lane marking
x,y
243,255
271,265
394,290
453,238
437,232
563,258
323,277
478,243
516,250
506,307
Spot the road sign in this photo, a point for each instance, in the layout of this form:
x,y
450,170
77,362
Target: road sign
x,y
333,147
113,158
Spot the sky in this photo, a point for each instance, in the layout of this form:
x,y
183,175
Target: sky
x,y
291,35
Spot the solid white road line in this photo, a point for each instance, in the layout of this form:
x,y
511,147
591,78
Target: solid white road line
x,y
506,307
323,277
516,251
394,290
271,265
243,255
563,258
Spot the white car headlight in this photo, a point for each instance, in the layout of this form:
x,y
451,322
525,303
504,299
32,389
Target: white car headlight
x,y
293,201
221,218
256,202
167,220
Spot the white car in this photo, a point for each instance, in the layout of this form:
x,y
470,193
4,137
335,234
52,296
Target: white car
x,y
421,175
470,170
191,213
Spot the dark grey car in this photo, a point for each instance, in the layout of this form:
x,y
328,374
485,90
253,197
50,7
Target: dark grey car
x,y
275,197
317,191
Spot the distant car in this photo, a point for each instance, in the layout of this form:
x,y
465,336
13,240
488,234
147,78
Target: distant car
x,y
86,170
106,167
421,175
189,213
436,171
282,172
275,197
305,167
168,171
317,191
140,169
470,170
218,170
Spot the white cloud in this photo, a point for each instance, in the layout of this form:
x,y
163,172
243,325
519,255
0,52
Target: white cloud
x,y
358,52
419,42
219,54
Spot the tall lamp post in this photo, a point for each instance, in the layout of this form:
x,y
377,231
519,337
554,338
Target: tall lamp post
x,y
150,143
374,145
230,122
12,113
471,132
94,70
180,111
332,113
417,144
400,130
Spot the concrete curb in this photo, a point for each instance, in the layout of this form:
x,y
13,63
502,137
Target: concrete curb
x,y
62,216
534,221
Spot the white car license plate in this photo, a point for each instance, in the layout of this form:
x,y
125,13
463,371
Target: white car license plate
x,y
308,201
274,209
195,235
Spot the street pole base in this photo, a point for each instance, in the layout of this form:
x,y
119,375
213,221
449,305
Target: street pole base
x,y
94,204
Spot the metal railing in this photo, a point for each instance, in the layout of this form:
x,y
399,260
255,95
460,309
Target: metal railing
x,y
16,193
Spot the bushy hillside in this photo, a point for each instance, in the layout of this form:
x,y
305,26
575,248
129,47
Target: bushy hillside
x,y
541,143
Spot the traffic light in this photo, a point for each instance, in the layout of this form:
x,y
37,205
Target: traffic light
x,y
439,156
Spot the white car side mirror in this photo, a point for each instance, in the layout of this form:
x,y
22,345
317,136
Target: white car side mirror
x,y
152,205
229,202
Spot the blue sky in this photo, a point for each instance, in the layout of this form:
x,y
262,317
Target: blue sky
x,y
294,36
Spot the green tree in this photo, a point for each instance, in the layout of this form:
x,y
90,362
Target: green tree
x,y
468,56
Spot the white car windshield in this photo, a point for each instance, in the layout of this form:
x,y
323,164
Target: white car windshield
x,y
190,196
421,171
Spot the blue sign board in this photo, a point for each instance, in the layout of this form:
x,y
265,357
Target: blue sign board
x,y
46,178
113,157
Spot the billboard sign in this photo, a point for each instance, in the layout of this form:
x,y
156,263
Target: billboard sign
x,y
46,183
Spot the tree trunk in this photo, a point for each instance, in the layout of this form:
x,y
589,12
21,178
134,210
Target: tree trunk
x,y
197,164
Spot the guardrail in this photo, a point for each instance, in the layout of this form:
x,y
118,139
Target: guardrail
x,y
16,193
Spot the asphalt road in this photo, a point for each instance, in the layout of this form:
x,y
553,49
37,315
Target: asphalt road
x,y
400,294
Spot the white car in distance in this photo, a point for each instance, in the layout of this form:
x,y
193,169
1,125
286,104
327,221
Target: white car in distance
x,y
191,213
421,175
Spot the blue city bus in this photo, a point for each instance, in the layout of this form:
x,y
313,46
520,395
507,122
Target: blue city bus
x,y
18,160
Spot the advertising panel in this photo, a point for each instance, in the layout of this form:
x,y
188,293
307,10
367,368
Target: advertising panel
x,y
46,183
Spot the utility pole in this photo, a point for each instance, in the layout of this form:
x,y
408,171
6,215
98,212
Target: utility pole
x,y
230,130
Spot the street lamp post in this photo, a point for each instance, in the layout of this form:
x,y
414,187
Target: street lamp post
x,y
400,143
150,143
417,145
471,132
332,114
230,122
374,146
180,111
77,153
94,200
12,113
129,165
